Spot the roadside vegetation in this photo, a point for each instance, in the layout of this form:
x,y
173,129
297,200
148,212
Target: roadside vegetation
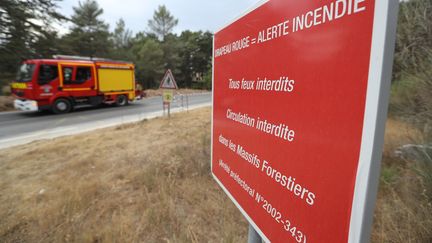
x,y
132,183
6,103
404,207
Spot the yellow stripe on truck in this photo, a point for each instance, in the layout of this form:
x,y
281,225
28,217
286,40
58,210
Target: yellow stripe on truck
x,y
19,85
115,80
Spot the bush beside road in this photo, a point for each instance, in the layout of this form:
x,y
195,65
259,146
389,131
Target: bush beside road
x,y
404,205
6,103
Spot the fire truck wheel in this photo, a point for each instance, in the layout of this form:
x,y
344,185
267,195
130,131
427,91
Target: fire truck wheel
x,y
121,100
62,106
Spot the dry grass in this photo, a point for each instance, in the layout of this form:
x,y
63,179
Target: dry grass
x,y
145,182
150,182
158,92
404,211
6,103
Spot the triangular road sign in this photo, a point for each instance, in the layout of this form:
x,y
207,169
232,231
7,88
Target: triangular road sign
x,y
168,81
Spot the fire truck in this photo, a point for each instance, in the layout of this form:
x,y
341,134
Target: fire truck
x,y
65,82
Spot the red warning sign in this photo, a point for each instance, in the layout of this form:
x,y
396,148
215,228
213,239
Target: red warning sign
x,y
300,94
168,81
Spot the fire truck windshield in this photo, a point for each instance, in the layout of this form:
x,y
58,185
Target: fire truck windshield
x,y
25,72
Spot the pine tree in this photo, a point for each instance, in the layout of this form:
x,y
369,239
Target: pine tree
x,y
24,27
162,23
89,34
122,41
121,36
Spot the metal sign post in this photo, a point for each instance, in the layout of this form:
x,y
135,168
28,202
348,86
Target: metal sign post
x,y
168,84
187,103
253,236
167,97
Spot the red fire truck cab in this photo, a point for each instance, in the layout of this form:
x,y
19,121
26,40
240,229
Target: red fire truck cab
x,y
64,82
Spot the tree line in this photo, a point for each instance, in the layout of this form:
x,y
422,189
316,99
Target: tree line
x,y
29,29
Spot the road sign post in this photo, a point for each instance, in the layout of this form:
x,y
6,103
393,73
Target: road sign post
x,y
168,84
168,81
166,108
300,96
167,97
253,236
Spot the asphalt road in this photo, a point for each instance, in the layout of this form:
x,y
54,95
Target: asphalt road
x,y
14,124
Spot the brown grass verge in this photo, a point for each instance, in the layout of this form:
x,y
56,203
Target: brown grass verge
x,y
403,211
145,182
6,103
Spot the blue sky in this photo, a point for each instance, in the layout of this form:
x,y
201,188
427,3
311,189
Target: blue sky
x,y
192,14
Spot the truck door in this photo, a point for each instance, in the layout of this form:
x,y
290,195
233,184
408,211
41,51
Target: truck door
x,y
78,80
47,80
